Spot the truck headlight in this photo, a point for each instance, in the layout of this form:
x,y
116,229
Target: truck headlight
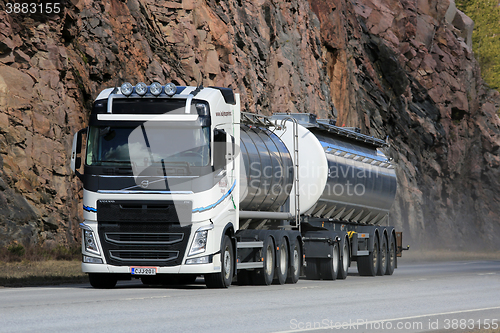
x,y
127,89
91,260
201,260
170,89
89,242
155,88
141,89
199,244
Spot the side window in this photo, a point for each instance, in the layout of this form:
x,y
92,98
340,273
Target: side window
x,y
220,149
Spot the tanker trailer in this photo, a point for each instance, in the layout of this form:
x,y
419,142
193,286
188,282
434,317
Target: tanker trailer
x,y
168,196
346,189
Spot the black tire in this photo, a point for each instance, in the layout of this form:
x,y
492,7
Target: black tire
x,y
224,278
265,275
344,260
368,265
282,260
311,269
295,262
102,280
391,260
329,267
382,267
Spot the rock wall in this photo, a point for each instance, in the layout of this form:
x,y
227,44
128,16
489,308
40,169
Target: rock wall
x,y
401,69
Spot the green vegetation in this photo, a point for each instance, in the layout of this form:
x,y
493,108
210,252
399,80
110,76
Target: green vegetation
x,y
16,252
485,37
36,273
25,265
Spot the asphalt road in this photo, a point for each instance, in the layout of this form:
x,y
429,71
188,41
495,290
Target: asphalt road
x,y
417,298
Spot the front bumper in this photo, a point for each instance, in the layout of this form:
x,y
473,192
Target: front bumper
x,y
213,267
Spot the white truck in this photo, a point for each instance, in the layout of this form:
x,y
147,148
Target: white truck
x,y
179,183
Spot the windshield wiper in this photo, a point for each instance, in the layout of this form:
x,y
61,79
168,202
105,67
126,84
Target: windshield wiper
x,y
121,162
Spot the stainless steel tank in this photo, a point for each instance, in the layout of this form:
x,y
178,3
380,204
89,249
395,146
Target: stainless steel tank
x,y
361,184
342,175
268,170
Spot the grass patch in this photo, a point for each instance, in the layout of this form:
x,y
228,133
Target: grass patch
x,y
32,273
17,252
31,265
414,256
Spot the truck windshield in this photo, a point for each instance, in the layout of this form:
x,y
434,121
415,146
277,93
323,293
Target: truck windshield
x,y
147,145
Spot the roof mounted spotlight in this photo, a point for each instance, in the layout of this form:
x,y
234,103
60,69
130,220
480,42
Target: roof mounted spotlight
x,y
170,89
155,88
127,89
141,89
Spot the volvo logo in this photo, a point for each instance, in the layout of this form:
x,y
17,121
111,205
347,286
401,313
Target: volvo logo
x,y
145,183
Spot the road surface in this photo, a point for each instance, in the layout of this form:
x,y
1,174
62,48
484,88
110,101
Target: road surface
x,y
443,296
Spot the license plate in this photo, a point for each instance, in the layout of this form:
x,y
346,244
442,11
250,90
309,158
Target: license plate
x,y
143,270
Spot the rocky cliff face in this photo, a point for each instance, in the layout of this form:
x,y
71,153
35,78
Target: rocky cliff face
x,y
401,69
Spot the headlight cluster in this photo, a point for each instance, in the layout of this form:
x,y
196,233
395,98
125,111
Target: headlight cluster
x,y
154,89
90,245
199,244
89,242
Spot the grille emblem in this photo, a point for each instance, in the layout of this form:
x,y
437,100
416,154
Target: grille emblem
x,y
145,183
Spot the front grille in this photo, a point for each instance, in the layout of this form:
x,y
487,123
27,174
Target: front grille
x,y
143,243
138,255
144,211
144,238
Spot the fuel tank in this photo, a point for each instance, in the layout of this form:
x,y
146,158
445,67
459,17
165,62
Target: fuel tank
x,y
342,174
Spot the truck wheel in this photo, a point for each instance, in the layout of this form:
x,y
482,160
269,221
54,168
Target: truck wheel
x,y
382,267
264,276
282,271
391,259
329,267
224,278
102,280
368,265
311,269
344,261
295,263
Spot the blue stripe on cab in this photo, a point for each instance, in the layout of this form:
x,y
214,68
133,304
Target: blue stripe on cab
x,y
89,209
201,209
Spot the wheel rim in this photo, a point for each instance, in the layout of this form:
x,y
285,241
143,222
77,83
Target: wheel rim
x,y
269,260
383,256
391,255
227,263
295,261
345,259
335,259
283,261
375,258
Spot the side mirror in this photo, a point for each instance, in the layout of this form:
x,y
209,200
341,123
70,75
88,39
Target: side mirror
x,y
76,160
